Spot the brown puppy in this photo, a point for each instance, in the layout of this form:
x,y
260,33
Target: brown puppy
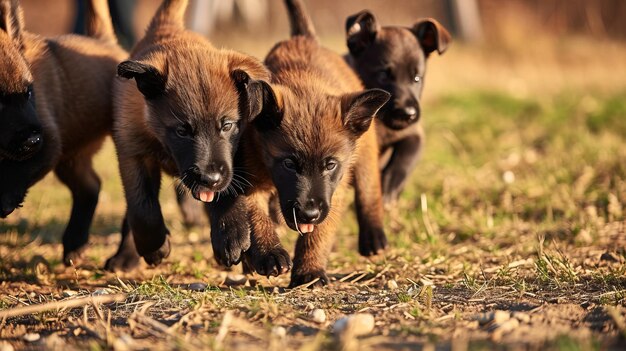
x,y
70,78
312,136
184,115
393,58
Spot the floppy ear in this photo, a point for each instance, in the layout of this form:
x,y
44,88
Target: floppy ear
x,y
12,21
431,35
266,105
361,30
360,108
150,82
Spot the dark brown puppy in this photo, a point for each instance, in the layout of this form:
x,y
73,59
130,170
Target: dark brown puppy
x,y
313,135
394,58
70,78
183,114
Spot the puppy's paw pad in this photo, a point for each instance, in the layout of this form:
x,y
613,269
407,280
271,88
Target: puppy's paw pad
x,y
73,258
372,242
273,263
122,262
320,278
156,257
229,246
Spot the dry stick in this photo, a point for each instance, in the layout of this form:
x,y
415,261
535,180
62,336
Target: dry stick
x,y
55,305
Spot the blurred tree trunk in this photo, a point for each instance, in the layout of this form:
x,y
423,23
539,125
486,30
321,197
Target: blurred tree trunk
x,y
464,15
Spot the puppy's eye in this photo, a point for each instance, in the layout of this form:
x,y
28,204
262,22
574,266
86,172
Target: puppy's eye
x,y
289,164
385,75
29,92
330,165
183,131
417,79
227,126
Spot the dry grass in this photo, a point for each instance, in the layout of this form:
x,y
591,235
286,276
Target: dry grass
x,y
516,206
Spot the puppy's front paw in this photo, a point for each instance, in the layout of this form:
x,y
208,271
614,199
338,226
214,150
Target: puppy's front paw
x,y
272,263
74,257
122,262
156,257
372,241
230,242
298,279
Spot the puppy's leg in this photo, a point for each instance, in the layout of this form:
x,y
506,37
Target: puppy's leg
x,y
368,199
126,258
311,256
266,255
191,209
230,230
405,155
142,178
79,176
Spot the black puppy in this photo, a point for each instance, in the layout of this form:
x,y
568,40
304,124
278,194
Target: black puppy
x,y
393,58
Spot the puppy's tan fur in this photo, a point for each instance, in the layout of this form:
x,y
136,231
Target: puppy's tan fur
x,y
198,87
72,77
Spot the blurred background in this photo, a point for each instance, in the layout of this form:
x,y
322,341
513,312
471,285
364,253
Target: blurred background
x,y
522,46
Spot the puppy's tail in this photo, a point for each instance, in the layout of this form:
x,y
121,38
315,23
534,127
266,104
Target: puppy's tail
x,y
299,19
171,12
98,21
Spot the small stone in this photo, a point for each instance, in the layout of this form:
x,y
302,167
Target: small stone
x,y
356,325
235,280
69,293
318,315
609,257
193,237
99,292
508,177
197,287
31,337
279,331
310,306
391,284
5,346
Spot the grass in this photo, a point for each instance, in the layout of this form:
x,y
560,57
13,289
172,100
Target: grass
x,y
516,205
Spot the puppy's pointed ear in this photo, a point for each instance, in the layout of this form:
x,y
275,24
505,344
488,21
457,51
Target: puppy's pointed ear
x,y
150,82
12,21
266,106
361,30
431,35
359,109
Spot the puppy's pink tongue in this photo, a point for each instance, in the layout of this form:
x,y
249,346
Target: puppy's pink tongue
x,y
206,196
306,228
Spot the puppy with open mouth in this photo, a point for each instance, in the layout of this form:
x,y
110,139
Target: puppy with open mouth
x,y
181,109
314,135
55,110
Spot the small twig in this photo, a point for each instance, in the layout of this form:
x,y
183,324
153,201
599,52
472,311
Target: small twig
x,y
56,305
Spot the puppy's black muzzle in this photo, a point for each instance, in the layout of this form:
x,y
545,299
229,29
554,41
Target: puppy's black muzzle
x,y
400,118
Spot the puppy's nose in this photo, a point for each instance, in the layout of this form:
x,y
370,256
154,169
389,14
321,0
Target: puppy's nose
x,y
212,178
310,214
410,111
4,212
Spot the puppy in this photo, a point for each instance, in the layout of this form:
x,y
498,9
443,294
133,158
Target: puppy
x,y
394,58
313,134
64,84
183,115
